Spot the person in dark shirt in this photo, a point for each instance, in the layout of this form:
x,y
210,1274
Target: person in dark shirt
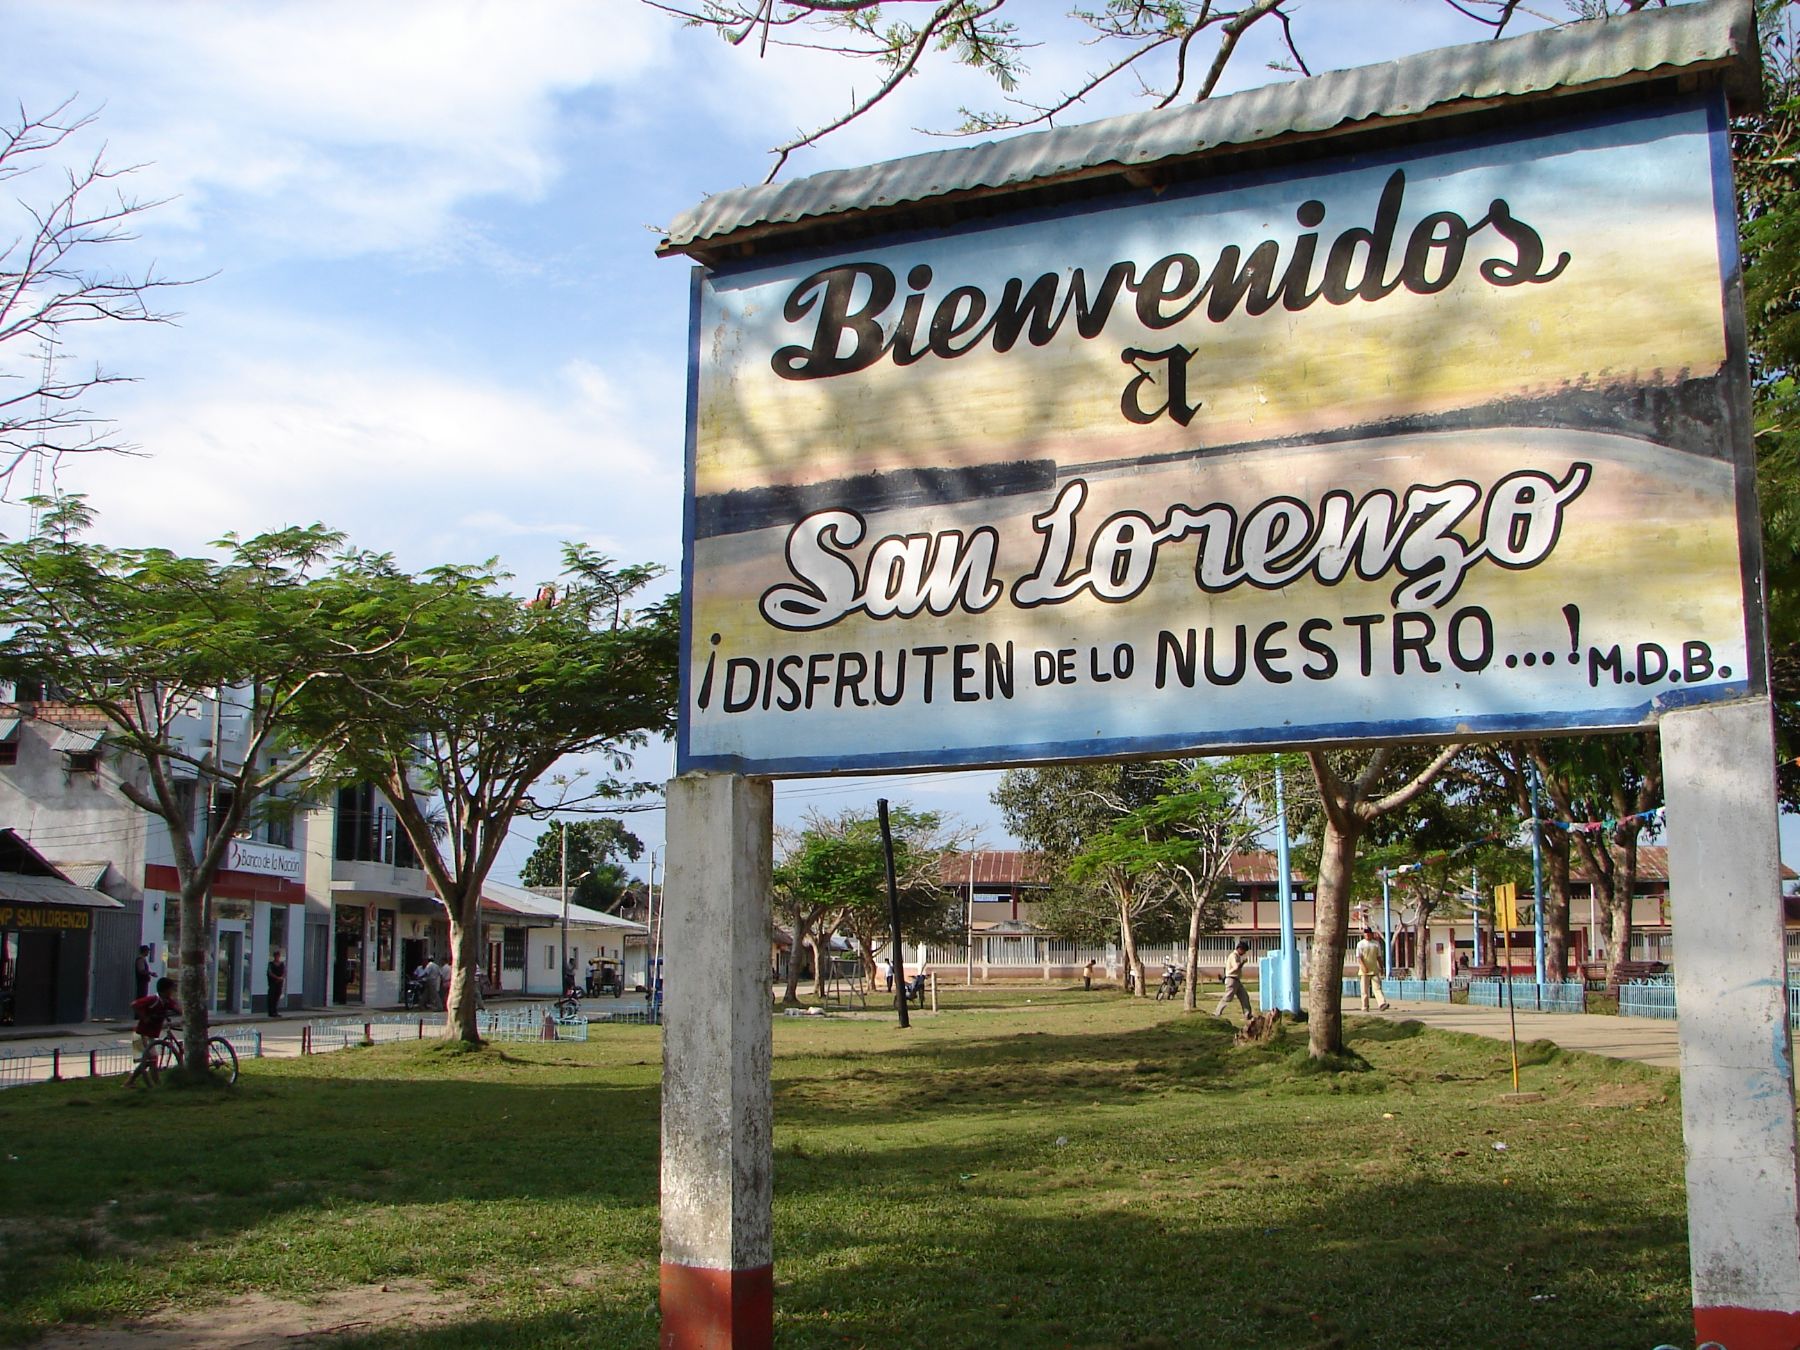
x,y
277,973
141,973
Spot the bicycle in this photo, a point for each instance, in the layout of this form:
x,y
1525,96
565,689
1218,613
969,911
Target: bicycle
x,y
165,1052
569,1005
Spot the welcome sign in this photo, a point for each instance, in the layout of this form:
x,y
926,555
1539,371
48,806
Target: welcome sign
x,y
1432,444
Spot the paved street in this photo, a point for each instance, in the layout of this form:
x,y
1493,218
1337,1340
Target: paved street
x,y
1646,1039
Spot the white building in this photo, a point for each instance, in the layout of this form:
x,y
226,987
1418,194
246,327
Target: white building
x,y
59,790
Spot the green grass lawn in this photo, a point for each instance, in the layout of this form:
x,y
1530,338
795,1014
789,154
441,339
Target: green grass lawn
x,y
1079,1170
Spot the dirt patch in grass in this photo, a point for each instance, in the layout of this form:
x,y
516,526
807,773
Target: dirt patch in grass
x,y
1625,1096
257,1322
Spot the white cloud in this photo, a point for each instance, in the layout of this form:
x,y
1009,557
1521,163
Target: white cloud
x,y
433,464
341,127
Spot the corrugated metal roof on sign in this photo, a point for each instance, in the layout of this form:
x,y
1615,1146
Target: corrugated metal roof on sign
x,y
1717,34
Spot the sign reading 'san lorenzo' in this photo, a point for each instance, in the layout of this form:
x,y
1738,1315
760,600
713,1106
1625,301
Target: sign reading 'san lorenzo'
x,y
853,300
1433,442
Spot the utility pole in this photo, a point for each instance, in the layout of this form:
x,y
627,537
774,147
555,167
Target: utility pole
x,y
1290,947
653,992
1537,879
562,830
969,945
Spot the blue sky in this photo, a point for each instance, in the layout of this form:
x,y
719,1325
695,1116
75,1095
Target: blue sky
x,y
432,314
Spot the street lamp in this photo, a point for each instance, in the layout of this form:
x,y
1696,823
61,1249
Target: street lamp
x,y
564,829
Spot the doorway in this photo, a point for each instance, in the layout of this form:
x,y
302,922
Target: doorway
x,y
347,955
231,968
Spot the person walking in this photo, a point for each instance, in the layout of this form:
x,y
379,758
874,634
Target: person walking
x,y
1369,970
1234,980
434,985
142,973
277,973
1087,974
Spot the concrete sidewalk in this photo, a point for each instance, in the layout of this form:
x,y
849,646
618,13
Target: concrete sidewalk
x,y
1648,1040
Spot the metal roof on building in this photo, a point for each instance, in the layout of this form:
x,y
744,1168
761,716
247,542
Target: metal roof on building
x,y
88,874
531,904
1019,867
1713,36
21,889
77,742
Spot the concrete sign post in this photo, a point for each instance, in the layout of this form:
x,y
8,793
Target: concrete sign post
x,y
717,1158
1737,1063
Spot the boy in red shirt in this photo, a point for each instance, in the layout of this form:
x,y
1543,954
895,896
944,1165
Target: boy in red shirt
x,y
153,1014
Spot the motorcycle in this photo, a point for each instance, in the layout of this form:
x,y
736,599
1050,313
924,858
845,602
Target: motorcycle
x,y
569,1005
1172,980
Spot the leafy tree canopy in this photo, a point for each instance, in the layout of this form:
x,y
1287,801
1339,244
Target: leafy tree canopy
x,y
837,863
146,638
467,698
593,845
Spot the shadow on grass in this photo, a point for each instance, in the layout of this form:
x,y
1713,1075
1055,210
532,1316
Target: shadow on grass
x,y
1148,1186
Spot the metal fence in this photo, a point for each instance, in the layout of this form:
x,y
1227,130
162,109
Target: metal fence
x,y
113,1057
1529,995
536,1022
649,1017
1418,991
1656,998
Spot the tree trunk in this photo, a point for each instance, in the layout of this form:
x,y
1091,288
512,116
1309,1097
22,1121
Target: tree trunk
x,y
1190,998
1624,883
191,981
1134,965
1331,927
1556,905
1604,915
821,950
790,997
465,970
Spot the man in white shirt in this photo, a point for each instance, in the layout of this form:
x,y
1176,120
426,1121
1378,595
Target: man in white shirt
x,y
1234,980
1369,970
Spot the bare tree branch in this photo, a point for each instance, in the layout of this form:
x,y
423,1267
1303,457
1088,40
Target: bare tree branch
x,y
53,280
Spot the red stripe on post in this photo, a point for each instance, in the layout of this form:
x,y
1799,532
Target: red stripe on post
x,y
1738,1328
717,1309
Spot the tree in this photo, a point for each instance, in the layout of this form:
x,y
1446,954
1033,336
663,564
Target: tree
x,y
1193,40
1503,772
1433,849
473,697
1351,799
144,637
835,870
1058,811
55,278
805,911
1187,837
592,846
1606,787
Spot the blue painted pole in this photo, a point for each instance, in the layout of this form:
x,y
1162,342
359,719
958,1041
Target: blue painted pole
x,y
1290,950
1537,876
1387,925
